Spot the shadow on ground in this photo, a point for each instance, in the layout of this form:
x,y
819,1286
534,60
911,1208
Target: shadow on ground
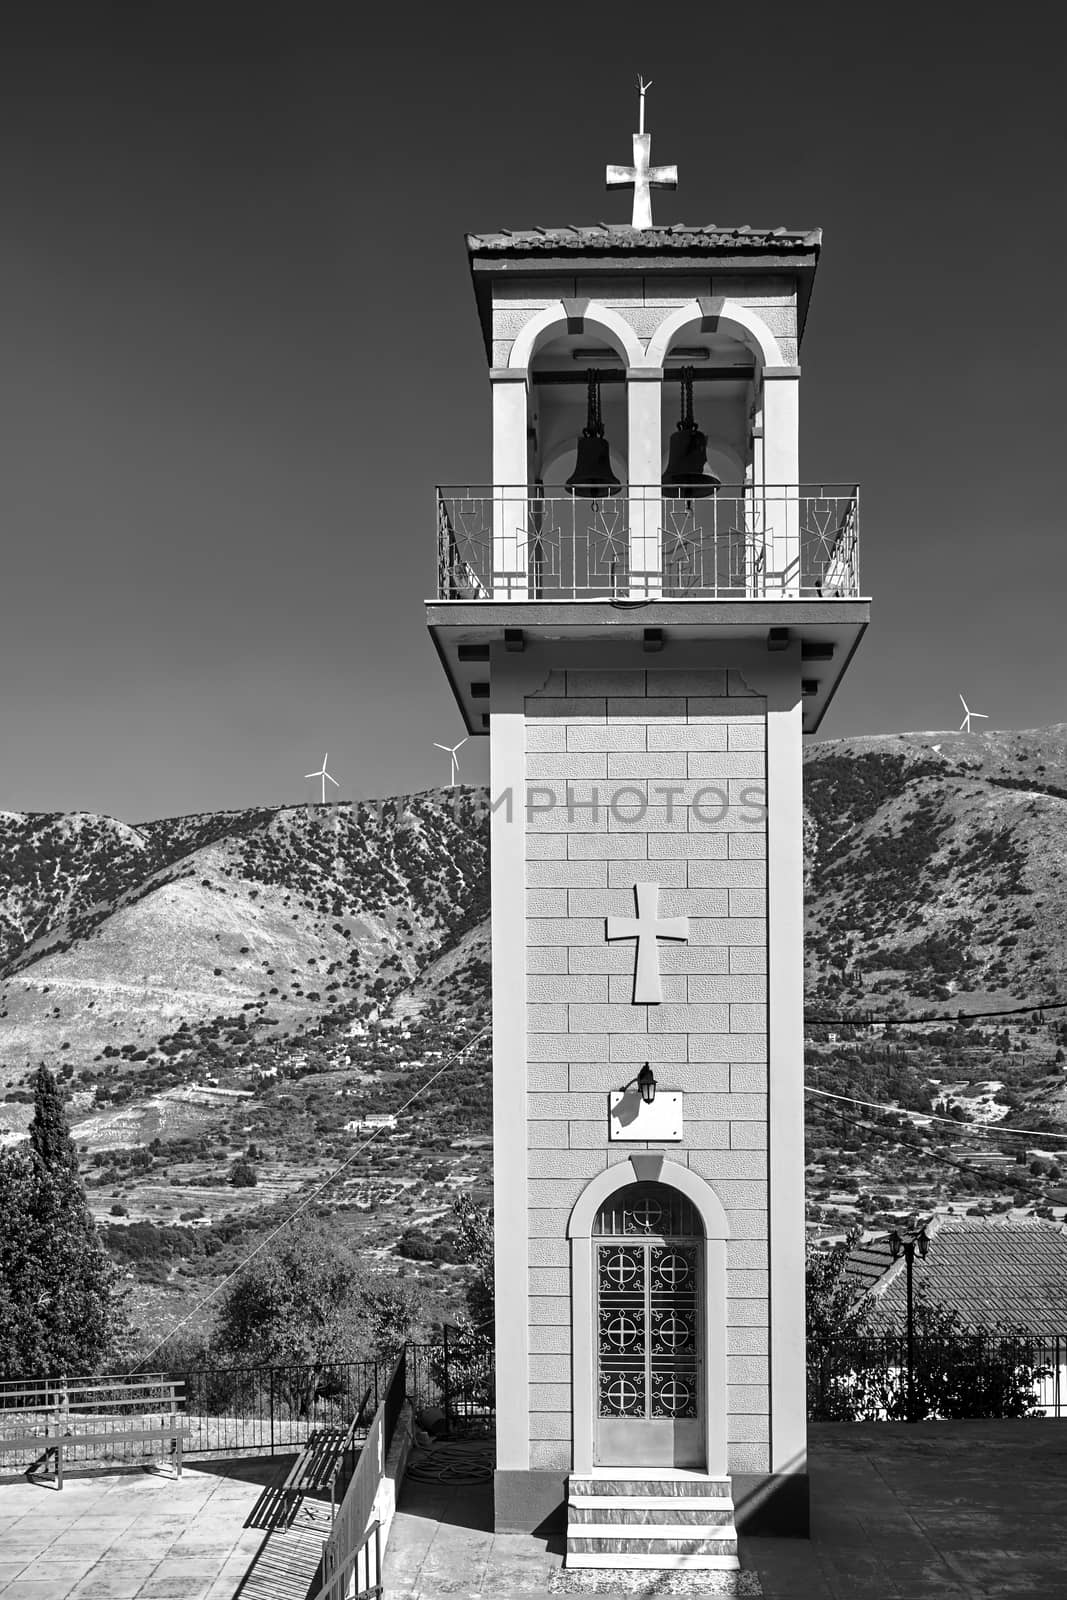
x,y
946,1510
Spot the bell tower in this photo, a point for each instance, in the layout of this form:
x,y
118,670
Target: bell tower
x,y
645,611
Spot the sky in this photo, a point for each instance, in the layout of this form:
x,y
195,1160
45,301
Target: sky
x,y
238,349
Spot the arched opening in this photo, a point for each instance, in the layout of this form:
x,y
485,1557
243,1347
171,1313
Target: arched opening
x,y
649,1389
648,1270
707,532
724,377
579,536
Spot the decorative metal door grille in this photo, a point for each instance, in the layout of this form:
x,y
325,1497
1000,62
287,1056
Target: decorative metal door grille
x,y
646,1209
648,1306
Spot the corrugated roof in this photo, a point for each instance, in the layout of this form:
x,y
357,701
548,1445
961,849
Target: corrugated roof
x,y
1003,1271
614,236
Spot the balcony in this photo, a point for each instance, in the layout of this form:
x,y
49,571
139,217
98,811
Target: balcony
x,y
790,542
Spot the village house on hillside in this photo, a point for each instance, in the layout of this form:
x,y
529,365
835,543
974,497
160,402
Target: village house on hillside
x,y
372,1121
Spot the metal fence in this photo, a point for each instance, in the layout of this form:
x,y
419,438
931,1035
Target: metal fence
x,y
235,1411
351,1556
972,1374
267,1410
458,1377
538,542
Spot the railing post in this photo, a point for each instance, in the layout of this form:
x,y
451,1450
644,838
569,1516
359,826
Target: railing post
x,y
176,1434
911,1338
271,1403
63,1417
446,1386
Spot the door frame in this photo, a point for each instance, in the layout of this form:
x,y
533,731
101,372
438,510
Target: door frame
x,y
647,1166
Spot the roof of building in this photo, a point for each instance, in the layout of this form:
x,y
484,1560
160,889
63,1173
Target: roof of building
x,y
1007,1271
615,236
868,1262
617,246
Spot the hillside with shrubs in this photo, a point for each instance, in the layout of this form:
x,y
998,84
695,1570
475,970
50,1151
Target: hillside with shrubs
x,y
243,1007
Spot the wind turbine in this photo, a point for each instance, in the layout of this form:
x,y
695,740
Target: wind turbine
x,y
450,750
325,776
965,725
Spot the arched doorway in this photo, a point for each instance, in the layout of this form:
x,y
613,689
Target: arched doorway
x,y
648,1272
609,1216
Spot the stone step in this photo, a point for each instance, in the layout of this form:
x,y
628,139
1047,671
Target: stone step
x,y
636,1509
622,1482
724,1535
659,1560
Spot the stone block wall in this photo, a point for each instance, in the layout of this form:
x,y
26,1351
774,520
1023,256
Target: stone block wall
x,y
644,300
647,775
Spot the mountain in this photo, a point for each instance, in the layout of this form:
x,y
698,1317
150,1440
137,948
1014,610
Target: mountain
x,y
257,984
936,868
256,923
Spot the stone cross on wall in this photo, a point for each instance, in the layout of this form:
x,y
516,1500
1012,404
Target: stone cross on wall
x,y
647,928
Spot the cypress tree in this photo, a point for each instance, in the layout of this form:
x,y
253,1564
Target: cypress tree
x,y
61,1315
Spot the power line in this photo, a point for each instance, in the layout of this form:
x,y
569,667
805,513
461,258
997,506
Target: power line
x,y
307,1201
1020,1184
869,1020
971,1127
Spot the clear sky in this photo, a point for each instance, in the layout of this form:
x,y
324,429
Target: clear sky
x,y
221,423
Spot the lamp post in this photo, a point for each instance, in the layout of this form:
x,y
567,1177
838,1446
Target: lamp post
x,y
900,1245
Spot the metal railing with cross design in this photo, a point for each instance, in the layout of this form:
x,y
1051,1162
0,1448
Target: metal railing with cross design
x,y
539,542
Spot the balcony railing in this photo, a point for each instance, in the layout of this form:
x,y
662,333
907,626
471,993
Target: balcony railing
x,y
793,541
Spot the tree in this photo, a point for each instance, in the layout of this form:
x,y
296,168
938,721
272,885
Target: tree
x,y
58,1311
305,1302
475,1229
837,1319
243,1174
470,1349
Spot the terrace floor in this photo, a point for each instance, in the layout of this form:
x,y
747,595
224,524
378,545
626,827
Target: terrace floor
x,y
949,1510
147,1536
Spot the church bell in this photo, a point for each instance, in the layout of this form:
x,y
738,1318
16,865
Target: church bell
x,y
686,473
592,478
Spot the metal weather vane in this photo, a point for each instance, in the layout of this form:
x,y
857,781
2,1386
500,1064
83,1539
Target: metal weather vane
x,y
641,177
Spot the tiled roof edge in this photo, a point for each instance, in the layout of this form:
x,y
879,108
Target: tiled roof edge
x,y
620,236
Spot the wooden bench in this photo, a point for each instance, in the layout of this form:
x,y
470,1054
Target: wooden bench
x,y
322,1460
45,1418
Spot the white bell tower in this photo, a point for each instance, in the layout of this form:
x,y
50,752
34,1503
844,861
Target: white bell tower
x,y
645,656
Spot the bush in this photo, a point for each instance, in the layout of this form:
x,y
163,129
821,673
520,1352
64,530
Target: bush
x,y
243,1175
959,1373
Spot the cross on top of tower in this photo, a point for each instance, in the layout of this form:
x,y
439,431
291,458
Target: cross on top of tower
x,y
641,177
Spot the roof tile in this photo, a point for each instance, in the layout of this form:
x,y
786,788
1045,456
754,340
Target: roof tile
x,y
1011,1272
621,236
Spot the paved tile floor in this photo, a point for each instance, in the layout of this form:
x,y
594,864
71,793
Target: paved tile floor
x,y
132,1536
953,1511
